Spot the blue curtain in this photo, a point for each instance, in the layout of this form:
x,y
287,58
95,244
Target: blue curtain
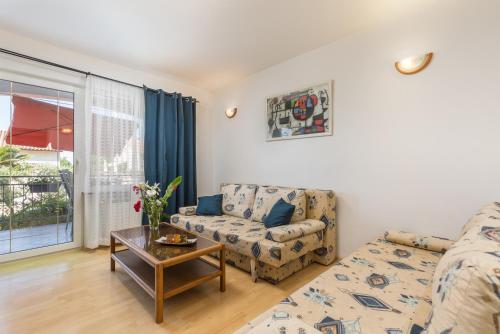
x,y
170,145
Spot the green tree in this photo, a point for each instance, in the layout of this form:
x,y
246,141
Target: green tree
x,y
64,163
11,156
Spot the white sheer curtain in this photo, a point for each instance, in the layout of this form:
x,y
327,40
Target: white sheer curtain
x,y
114,158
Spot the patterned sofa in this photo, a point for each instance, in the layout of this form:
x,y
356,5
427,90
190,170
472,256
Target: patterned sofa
x,y
276,253
402,283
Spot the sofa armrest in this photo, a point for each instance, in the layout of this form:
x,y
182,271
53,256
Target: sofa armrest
x,y
295,230
187,211
431,243
321,206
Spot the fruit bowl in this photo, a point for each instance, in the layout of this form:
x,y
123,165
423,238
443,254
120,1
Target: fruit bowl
x,y
176,240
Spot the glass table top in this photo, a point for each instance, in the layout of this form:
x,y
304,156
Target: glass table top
x,y
141,238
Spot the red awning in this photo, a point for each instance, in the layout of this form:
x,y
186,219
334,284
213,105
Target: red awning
x,y
35,123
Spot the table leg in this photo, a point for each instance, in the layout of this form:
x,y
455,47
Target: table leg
x,y
112,250
159,293
222,266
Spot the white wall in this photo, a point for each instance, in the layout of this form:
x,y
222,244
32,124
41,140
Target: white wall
x,y
420,153
41,157
55,54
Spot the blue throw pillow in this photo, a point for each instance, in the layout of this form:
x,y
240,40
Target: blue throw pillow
x,y
281,214
209,205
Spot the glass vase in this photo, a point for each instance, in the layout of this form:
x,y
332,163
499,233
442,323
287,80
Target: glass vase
x,y
154,223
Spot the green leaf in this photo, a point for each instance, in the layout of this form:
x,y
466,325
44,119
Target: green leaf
x,y
171,187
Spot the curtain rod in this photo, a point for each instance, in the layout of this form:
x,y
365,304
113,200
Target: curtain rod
x,y
46,62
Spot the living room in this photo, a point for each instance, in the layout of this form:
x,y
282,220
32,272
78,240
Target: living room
x,y
248,166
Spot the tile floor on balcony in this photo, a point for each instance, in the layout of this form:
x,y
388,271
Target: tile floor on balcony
x,y
34,237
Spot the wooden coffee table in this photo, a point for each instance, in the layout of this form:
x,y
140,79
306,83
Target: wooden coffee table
x,y
164,271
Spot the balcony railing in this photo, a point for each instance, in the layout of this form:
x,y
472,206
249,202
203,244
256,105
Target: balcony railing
x,y
35,211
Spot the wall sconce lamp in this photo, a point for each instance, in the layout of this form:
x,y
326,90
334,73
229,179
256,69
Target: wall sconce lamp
x,y
415,64
231,112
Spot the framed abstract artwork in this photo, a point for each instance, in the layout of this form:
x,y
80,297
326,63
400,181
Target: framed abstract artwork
x,y
301,113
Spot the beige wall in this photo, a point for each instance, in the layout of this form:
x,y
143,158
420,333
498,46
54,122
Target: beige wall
x,y
419,153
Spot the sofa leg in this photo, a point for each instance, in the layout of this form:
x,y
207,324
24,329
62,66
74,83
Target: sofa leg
x,y
253,270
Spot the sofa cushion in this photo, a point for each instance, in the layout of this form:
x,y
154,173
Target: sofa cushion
x,y
209,205
280,253
489,212
293,231
248,238
465,294
237,234
434,244
279,215
238,199
187,210
266,197
376,289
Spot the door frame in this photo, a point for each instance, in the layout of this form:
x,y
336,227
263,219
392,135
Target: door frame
x,y
42,76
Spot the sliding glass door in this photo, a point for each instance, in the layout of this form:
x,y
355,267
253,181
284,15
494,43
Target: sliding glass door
x,y
36,167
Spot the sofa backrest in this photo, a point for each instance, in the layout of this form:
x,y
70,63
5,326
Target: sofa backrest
x,y
466,284
267,196
319,204
485,214
238,199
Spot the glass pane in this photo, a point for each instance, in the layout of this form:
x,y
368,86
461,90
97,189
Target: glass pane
x,y
37,142
33,141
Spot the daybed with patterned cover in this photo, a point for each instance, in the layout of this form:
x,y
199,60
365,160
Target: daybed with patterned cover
x,y
272,254
402,283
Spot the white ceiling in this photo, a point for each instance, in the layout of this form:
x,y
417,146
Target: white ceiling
x,y
210,43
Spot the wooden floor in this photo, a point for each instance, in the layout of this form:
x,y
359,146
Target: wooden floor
x,y
74,292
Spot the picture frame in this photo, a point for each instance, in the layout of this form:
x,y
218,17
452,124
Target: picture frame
x,y
301,113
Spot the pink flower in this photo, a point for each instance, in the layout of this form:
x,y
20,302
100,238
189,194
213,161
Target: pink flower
x,y
136,189
137,206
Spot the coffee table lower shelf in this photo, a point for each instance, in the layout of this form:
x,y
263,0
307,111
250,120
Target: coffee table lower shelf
x,y
177,278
